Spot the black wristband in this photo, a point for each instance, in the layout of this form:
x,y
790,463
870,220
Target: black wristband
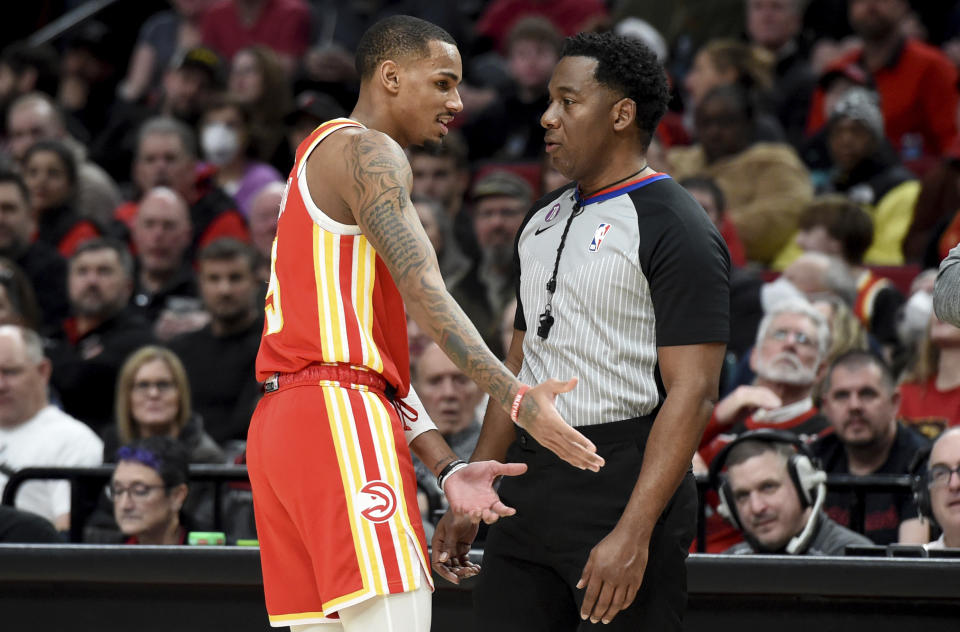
x,y
447,470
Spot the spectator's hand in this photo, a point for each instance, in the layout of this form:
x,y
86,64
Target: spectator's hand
x,y
538,415
171,323
470,490
612,575
450,547
743,401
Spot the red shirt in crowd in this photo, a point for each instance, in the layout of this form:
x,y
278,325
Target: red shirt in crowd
x,y
569,16
918,96
927,409
283,25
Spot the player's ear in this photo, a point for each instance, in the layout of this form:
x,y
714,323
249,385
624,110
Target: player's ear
x,y
623,113
390,76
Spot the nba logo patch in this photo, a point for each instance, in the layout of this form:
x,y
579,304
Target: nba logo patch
x,y
598,236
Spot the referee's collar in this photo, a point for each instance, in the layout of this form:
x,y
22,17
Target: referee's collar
x,y
620,189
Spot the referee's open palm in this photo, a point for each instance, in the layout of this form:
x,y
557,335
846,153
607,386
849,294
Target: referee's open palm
x,y
538,415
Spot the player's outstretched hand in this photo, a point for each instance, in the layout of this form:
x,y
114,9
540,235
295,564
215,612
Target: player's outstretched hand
x,y
538,415
470,490
450,547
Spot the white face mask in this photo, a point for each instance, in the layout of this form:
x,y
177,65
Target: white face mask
x,y
220,143
914,318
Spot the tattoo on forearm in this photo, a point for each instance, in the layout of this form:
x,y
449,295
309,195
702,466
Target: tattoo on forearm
x,y
381,182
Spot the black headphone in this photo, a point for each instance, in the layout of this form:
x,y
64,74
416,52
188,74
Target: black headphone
x,y
803,468
919,481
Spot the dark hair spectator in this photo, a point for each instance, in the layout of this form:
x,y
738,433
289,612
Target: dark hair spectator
x,y
50,172
765,183
257,78
148,488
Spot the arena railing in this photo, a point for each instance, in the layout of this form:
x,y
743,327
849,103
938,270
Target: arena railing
x,y
87,484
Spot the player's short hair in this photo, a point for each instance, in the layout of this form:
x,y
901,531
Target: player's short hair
x,y
629,67
397,37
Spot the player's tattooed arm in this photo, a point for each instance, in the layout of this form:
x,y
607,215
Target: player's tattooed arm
x,y
379,194
381,181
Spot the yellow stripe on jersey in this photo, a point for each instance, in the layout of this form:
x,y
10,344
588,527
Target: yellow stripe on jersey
x,y
339,602
380,428
365,265
350,477
344,428
330,308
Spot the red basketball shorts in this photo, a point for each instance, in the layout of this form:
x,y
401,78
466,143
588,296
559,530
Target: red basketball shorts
x,y
335,499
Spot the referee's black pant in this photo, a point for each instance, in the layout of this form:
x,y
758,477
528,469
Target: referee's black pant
x,y
533,560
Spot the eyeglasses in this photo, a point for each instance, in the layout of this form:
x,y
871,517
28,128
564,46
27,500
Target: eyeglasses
x,y
781,335
137,490
939,475
163,387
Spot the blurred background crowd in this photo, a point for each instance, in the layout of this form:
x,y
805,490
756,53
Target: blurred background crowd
x,y
144,151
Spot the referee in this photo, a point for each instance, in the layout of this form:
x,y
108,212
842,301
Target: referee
x,y
623,281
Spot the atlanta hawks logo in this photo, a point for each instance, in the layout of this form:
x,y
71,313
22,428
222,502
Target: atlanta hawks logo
x,y
377,501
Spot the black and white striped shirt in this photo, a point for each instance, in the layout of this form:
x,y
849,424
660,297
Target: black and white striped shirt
x,y
642,267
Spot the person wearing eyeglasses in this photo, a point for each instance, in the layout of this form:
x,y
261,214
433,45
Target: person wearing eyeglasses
x,y
148,489
787,357
943,483
153,400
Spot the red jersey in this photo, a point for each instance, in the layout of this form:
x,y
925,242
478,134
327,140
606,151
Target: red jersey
x,y
927,409
331,297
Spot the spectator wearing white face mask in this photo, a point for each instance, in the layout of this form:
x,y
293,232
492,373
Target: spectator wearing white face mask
x,y
227,144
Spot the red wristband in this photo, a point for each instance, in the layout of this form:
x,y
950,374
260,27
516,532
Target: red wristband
x,y
515,408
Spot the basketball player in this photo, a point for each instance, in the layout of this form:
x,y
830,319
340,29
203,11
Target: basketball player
x,y
334,488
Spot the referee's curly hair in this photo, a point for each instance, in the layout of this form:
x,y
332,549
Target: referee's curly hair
x,y
629,67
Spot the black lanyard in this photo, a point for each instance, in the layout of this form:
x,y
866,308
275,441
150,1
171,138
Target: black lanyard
x,y
546,317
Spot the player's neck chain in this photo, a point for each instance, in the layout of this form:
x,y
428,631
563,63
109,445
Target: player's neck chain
x,y
546,317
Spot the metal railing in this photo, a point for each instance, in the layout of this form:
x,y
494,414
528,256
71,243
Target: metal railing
x,y
86,484
68,21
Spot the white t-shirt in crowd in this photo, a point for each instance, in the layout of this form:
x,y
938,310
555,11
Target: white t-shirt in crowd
x,y
51,438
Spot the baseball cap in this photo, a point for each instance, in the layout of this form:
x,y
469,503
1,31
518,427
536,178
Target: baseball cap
x,y
501,183
201,58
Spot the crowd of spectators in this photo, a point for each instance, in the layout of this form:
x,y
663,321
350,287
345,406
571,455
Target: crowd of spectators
x,y
140,188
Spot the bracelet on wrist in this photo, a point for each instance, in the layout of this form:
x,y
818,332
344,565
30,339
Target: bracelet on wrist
x,y
450,468
515,408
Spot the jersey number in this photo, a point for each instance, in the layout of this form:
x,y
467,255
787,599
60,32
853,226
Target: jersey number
x,y
273,313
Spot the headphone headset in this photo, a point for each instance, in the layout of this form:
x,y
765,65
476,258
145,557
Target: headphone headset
x,y
918,483
809,480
